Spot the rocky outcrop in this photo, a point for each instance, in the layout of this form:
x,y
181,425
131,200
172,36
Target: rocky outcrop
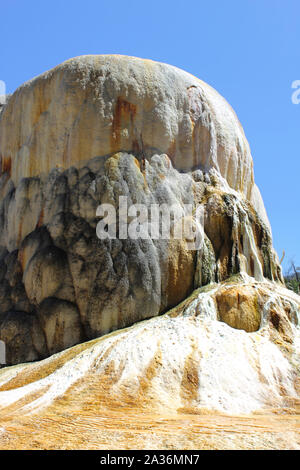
x,y
56,272
137,326
85,133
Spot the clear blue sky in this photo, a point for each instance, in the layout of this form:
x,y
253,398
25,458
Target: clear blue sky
x,y
249,50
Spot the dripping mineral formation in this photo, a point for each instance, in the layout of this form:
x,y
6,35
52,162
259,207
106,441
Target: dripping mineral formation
x,y
85,133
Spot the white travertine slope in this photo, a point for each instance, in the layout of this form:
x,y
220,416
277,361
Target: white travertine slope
x,y
184,361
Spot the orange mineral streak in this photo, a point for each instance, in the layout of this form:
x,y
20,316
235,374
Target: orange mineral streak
x,y
22,260
41,219
128,429
171,152
6,165
124,115
137,163
136,147
91,415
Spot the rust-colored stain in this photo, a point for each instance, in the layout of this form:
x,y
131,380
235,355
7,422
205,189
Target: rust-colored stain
x,y
41,219
137,163
124,115
275,318
195,156
21,259
6,165
190,382
143,170
136,149
252,265
141,165
172,151
151,371
70,428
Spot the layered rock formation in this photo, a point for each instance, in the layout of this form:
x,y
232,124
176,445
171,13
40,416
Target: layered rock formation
x,y
85,133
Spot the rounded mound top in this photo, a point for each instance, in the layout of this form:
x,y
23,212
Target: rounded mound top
x,y
97,105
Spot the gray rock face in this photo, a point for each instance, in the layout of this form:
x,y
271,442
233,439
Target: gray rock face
x,y
59,283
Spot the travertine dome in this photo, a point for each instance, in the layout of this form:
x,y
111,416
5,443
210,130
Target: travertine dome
x,y
85,133
94,106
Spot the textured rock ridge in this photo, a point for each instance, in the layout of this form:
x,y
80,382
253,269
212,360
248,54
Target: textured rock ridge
x,y
87,132
60,284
